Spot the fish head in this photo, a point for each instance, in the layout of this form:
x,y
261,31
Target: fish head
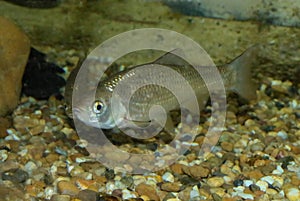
x,y
98,112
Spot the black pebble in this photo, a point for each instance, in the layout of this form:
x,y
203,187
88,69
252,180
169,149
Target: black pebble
x,y
268,128
238,182
109,174
41,79
15,175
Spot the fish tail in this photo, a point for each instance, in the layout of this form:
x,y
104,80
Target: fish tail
x,y
242,65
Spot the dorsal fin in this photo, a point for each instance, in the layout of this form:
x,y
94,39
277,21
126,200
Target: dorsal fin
x,y
171,58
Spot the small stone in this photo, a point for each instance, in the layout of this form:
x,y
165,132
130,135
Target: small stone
x,y
278,170
168,177
30,167
271,191
196,171
262,185
3,155
238,182
60,198
254,174
177,168
247,183
106,197
84,184
227,146
215,181
88,195
293,194
257,147
67,188
127,181
295,180
254,187
15,175
171,187
259,163
149,191
194,193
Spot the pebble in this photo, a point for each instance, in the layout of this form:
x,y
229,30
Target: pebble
x,y
177,168
247,183
127,181
15,175
87,195
3,155
30,167
126,194
168,177
238,182
215,181
171,187
262,185
278,171
60,198
239,191
67,188
259,146
196,171
194,192
149,191
293,194
227,146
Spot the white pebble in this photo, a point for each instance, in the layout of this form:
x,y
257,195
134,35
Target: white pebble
x,y
282,134
278,170
276,82
126,194
49,191
3,155
247,183
30,167
110,186
194,192
262,185
168,177
293,194
268,179
239,191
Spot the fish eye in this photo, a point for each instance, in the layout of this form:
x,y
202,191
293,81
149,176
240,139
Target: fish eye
x,y
98,107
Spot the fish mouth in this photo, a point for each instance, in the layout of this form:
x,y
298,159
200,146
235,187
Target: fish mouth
x,y
92,120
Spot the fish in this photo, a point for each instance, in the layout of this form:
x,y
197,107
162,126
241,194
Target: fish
x,y
254,10
97,113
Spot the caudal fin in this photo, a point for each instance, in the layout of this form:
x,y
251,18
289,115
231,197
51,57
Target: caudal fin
x,y
242,65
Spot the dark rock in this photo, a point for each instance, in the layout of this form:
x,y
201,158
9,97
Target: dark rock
x,y
238,182
127,181
41,79
15,175
88,195
110,174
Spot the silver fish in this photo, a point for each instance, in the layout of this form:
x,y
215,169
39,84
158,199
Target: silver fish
x,y
98,113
